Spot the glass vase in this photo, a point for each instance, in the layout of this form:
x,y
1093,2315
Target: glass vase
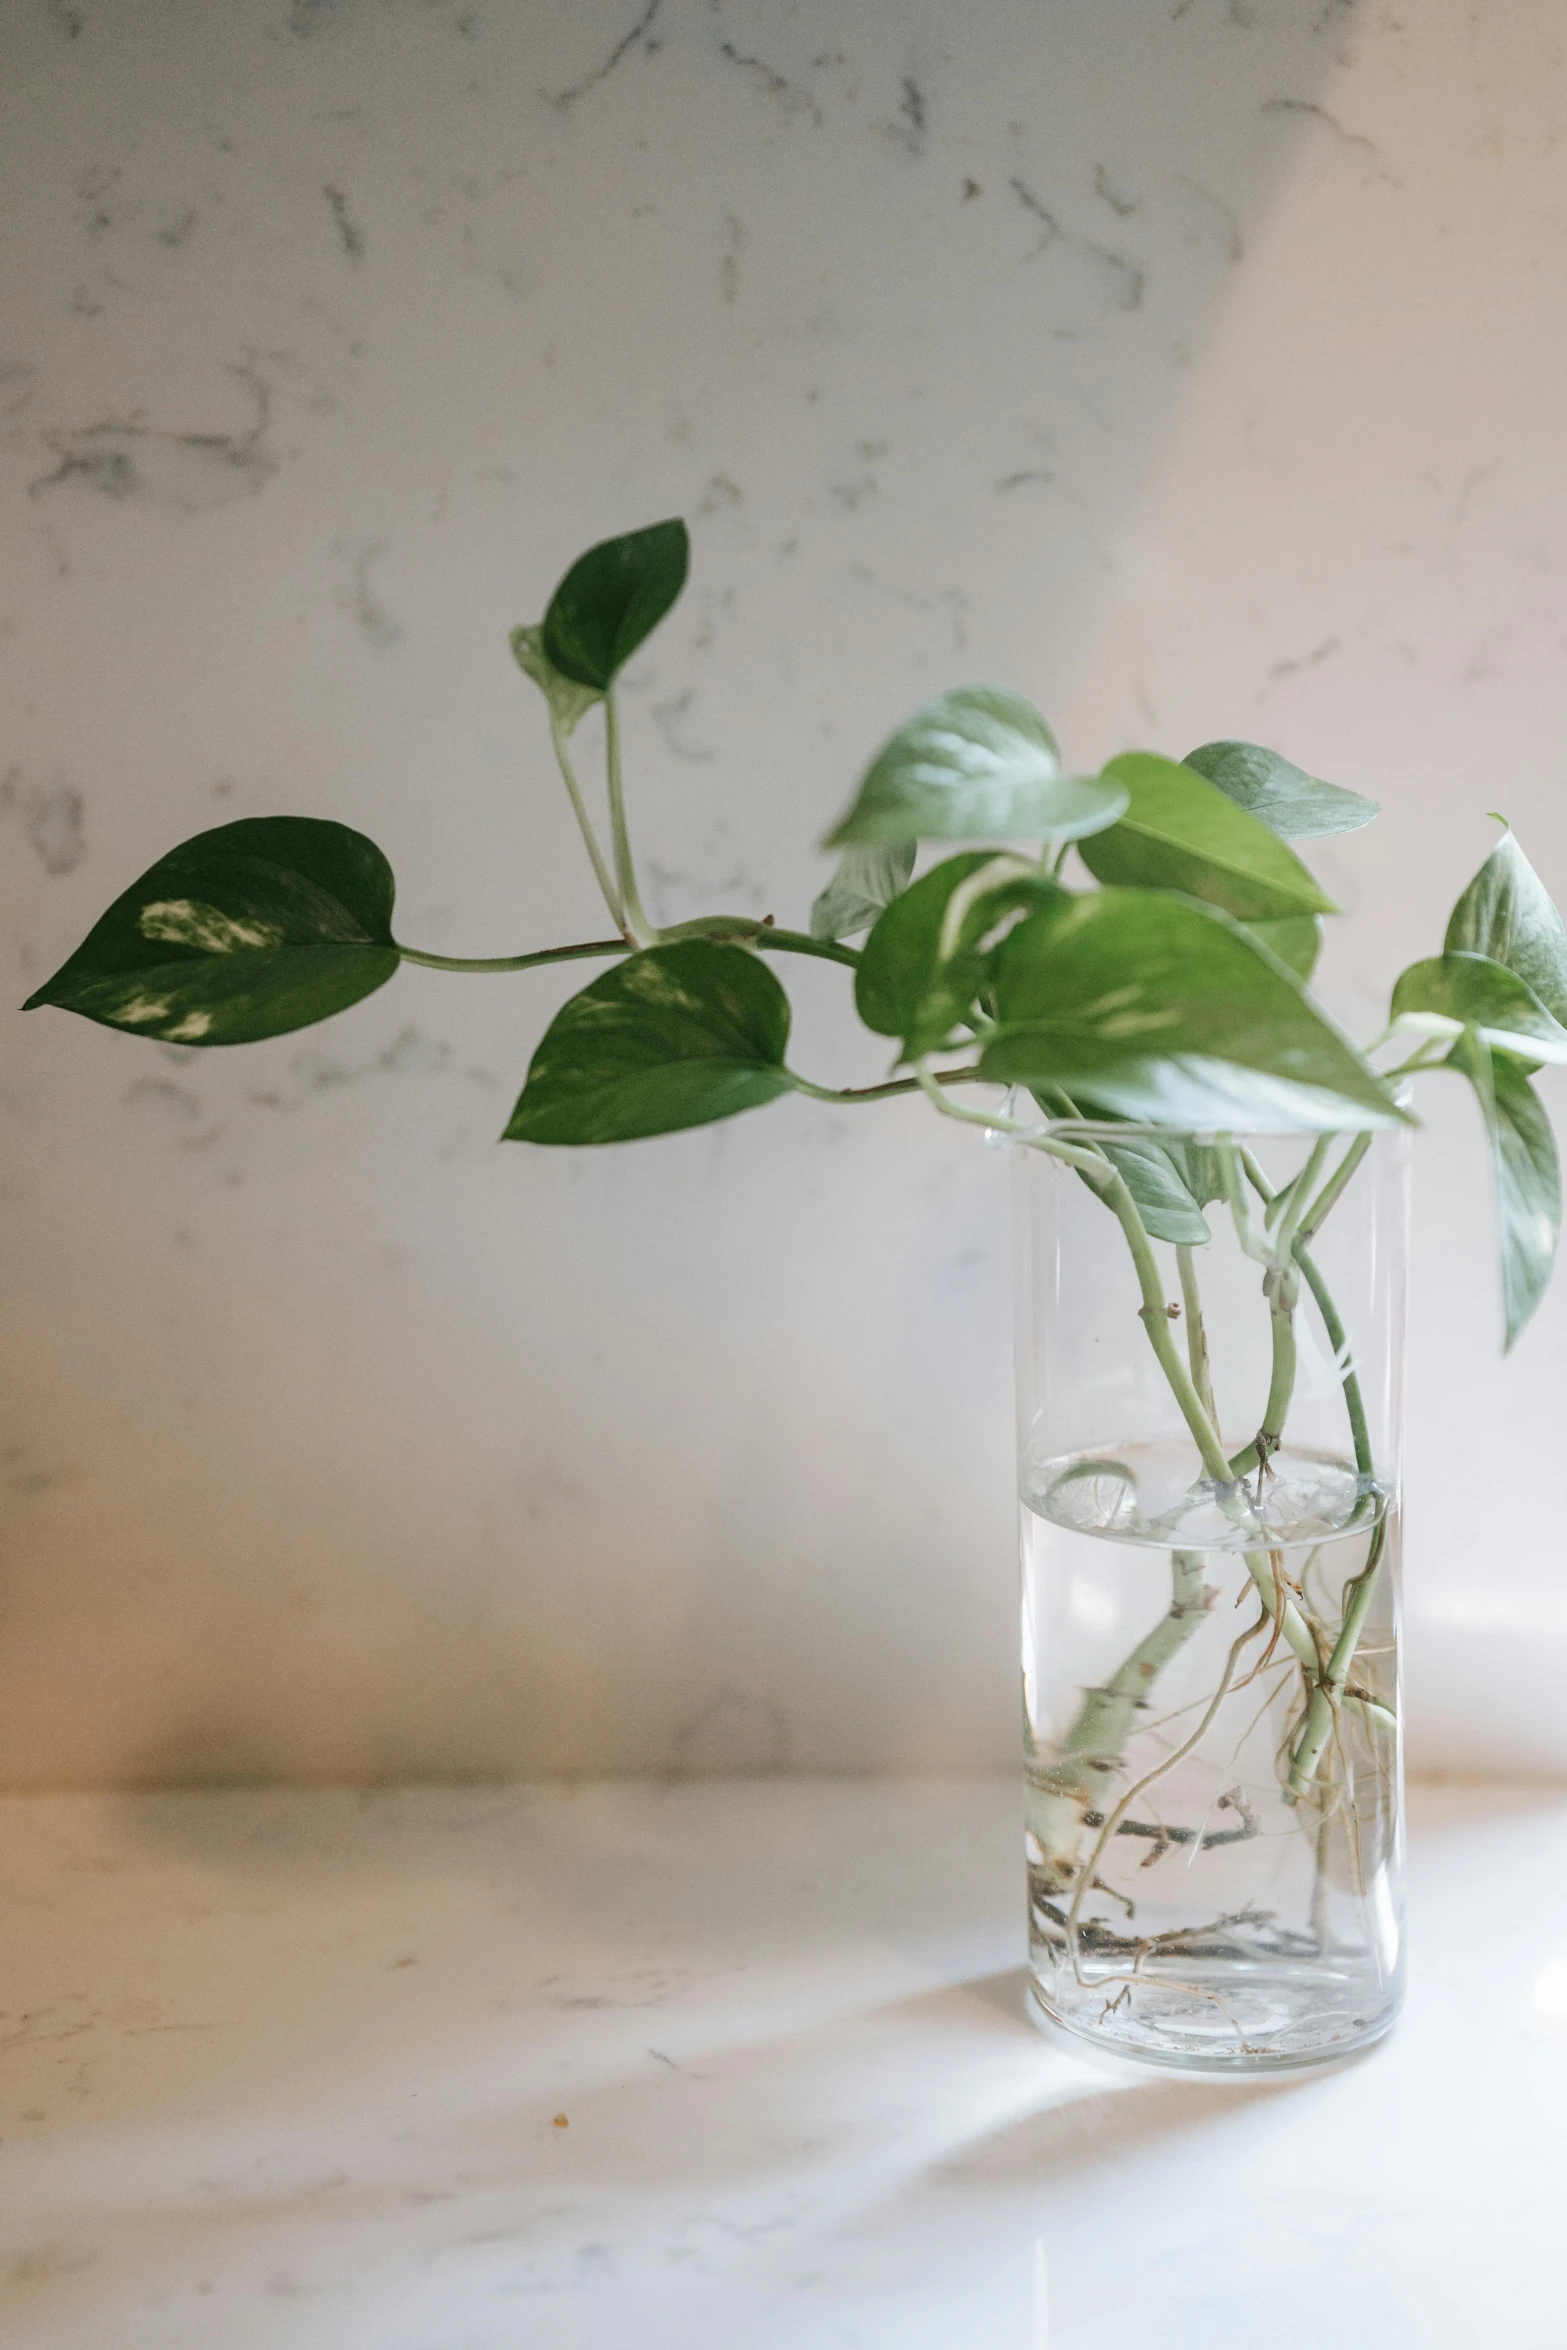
x,y
1209,1337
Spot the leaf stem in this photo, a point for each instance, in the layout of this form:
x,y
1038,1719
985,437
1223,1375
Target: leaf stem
x,y
1154,1312
784,942
1308,1223
1328,1692
595,946
625,872
1088,1759
589,836
879,1093
1196,1331
746,930
1328,1695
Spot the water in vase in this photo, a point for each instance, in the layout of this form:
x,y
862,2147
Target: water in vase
x,y
1211,1856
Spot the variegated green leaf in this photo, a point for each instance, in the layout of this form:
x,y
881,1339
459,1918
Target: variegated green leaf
x,y
676,1036
249,930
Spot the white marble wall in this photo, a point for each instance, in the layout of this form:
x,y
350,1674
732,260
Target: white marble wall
x,y
1193,364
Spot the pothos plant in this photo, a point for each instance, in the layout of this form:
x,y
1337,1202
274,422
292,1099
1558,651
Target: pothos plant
x,y
1171,992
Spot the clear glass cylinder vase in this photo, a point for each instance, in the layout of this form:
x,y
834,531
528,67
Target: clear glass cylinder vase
x,y
1209,1340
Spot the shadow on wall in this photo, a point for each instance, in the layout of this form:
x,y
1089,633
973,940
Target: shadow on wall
x,y
898,304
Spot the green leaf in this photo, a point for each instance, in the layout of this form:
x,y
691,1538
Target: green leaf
x,y
1159,1009
869,876
925,962
568,701
978,763
1295,805
1528,1178
1171,1182
612,599
1180,832
1450,992
1154,1180
246,931
1296,940
674,1036
1507,914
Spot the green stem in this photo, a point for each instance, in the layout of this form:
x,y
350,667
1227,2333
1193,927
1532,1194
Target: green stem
x,y
783,942
1354,1403
596,946
1328,1695
1311,1220
800,942
625,872
1230,1162
746,930
1196,1330
589,836
1154,1312
1328,1691
879,1093
1295,1630
1289,1206
1281,1287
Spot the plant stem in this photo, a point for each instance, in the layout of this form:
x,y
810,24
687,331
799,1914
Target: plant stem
x,y
746,930
596,946
1089,1757
1154,1312
1360,1435
1308,1223
1290,1205
1166,1763
1196,1331
1281,1287
625,872
783,942
589,836
1328,1684
880,1093
1328,1695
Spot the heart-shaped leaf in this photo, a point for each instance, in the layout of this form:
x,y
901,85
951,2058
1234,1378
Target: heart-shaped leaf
x,y
246,931
1528,1178
674,1036
870,875
612,599
1161,1010
1164,1201
1506,913
1180,832
978,763
924,963
1450,992
1295,805
1152,1171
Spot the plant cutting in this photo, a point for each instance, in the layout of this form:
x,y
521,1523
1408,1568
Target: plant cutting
x,y
1109,972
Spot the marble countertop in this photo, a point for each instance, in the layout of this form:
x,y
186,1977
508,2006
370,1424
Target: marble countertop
x,y
458,2069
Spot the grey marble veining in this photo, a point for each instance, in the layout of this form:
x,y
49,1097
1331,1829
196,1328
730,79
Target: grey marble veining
x,y
1191,364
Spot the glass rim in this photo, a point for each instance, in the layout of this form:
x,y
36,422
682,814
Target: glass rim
x,y
1090,1130
1209,1137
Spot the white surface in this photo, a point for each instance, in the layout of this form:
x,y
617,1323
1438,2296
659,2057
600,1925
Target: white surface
x,y
1195,365
281,2071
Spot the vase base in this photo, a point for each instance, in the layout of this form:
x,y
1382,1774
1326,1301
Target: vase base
x,y
1228,2029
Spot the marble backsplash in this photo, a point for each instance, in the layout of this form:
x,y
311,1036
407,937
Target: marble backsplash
x,y
1193,365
